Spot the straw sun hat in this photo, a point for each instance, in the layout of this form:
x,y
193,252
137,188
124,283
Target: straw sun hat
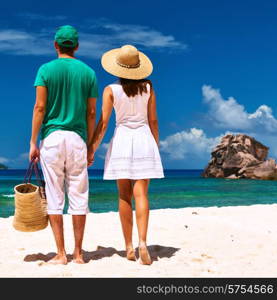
x,y
127,62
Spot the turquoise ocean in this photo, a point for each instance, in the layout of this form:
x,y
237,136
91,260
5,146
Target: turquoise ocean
x,y
179,188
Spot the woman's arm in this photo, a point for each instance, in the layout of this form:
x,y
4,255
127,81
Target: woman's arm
x,y
152,116
91,116
102,125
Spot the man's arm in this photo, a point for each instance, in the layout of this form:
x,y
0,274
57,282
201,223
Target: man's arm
x,y
91,117
38,116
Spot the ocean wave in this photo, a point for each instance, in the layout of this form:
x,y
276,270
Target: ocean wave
x,y
8,196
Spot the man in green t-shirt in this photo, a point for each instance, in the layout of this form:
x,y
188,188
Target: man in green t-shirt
x,y
66,92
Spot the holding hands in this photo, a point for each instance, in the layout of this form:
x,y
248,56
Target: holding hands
x,y
90,157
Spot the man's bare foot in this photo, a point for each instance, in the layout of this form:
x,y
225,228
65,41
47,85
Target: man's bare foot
x,y
78,259
59,259
130,254
144,257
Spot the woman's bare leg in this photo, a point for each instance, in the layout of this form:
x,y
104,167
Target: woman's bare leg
x,y
125,191
140,192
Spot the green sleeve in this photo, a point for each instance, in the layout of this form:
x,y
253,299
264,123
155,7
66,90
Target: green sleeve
x,y
41,77
93,90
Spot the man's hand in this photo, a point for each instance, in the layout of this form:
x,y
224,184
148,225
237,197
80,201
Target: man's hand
x,y
90,158
34,153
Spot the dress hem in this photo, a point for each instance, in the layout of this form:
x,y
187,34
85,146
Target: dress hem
x,y
133,178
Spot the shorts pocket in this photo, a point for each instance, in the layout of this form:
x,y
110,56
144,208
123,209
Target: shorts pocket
x,y
79,149
50,149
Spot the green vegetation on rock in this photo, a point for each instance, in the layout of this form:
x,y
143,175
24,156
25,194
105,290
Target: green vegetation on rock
x,y
3,167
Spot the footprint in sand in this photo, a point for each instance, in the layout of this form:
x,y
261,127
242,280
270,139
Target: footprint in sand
x,y
207,272
201,260
210,271
197,260
206,256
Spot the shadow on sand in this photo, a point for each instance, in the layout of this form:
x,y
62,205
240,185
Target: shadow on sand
x,y
155,251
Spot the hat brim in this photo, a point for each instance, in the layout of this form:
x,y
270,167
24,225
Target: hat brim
x,y
109,63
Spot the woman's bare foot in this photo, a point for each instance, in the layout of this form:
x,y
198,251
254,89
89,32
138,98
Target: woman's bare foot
x,y
59,259
144,257
130,254
78,258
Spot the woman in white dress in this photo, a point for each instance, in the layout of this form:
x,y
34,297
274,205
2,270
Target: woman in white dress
x,y
133,156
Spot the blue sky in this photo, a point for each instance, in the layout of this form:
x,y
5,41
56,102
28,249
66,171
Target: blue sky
x,y
214,68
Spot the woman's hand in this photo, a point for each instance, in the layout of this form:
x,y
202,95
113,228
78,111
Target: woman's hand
x,y
90,157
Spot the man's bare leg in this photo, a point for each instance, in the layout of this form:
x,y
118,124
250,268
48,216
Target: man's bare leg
x,y
79,222
56,222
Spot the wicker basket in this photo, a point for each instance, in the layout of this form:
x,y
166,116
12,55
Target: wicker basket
x,y
30,207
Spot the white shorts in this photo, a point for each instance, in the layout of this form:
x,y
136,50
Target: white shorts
x,y
63,158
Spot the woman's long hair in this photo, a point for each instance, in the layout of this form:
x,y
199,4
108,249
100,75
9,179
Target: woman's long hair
x,y
133,87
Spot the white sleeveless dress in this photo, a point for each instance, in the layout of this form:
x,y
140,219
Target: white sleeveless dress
x,y
133,152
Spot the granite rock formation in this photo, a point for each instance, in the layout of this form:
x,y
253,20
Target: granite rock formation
x,y
240,156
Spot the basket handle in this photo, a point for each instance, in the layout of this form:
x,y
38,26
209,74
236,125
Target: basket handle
x,y
28,176
38,175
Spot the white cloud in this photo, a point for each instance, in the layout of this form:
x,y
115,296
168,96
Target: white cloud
x,y
142,35
3,160
102,150
13,162
23,156
229,114
94,40
18,42
32,16
186,143
263,118
10,35
193,146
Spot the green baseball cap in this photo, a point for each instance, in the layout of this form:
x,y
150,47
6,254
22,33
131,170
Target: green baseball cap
x,y
67,34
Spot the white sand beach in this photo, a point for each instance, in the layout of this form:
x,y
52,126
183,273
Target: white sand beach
x,y
188,242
